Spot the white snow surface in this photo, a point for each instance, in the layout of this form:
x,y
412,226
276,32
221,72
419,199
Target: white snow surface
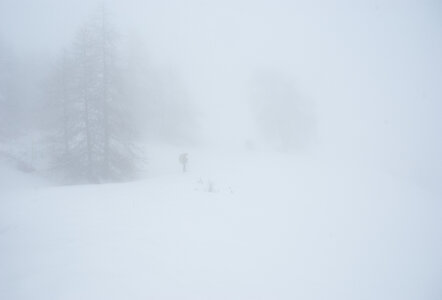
x,y
249,225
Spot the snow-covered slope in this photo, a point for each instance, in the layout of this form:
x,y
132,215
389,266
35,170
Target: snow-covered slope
x,y
236,226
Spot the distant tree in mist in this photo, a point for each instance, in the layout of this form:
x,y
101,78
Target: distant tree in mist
x,y
283,118
161,106
19,100
91,136
9,94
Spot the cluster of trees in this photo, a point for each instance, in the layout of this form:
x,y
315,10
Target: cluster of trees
x,y
98,103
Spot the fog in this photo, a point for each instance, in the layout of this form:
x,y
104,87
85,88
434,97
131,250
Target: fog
x,y
370,69
352,85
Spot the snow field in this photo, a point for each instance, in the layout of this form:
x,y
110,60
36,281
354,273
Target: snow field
x,y
271,227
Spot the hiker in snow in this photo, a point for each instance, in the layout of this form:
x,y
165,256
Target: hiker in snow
x,y
183,160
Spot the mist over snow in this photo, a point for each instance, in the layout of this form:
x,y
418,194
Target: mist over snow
x,y
220,149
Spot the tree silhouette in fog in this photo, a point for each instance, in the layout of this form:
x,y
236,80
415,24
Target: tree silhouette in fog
x,y
92,136
283,117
